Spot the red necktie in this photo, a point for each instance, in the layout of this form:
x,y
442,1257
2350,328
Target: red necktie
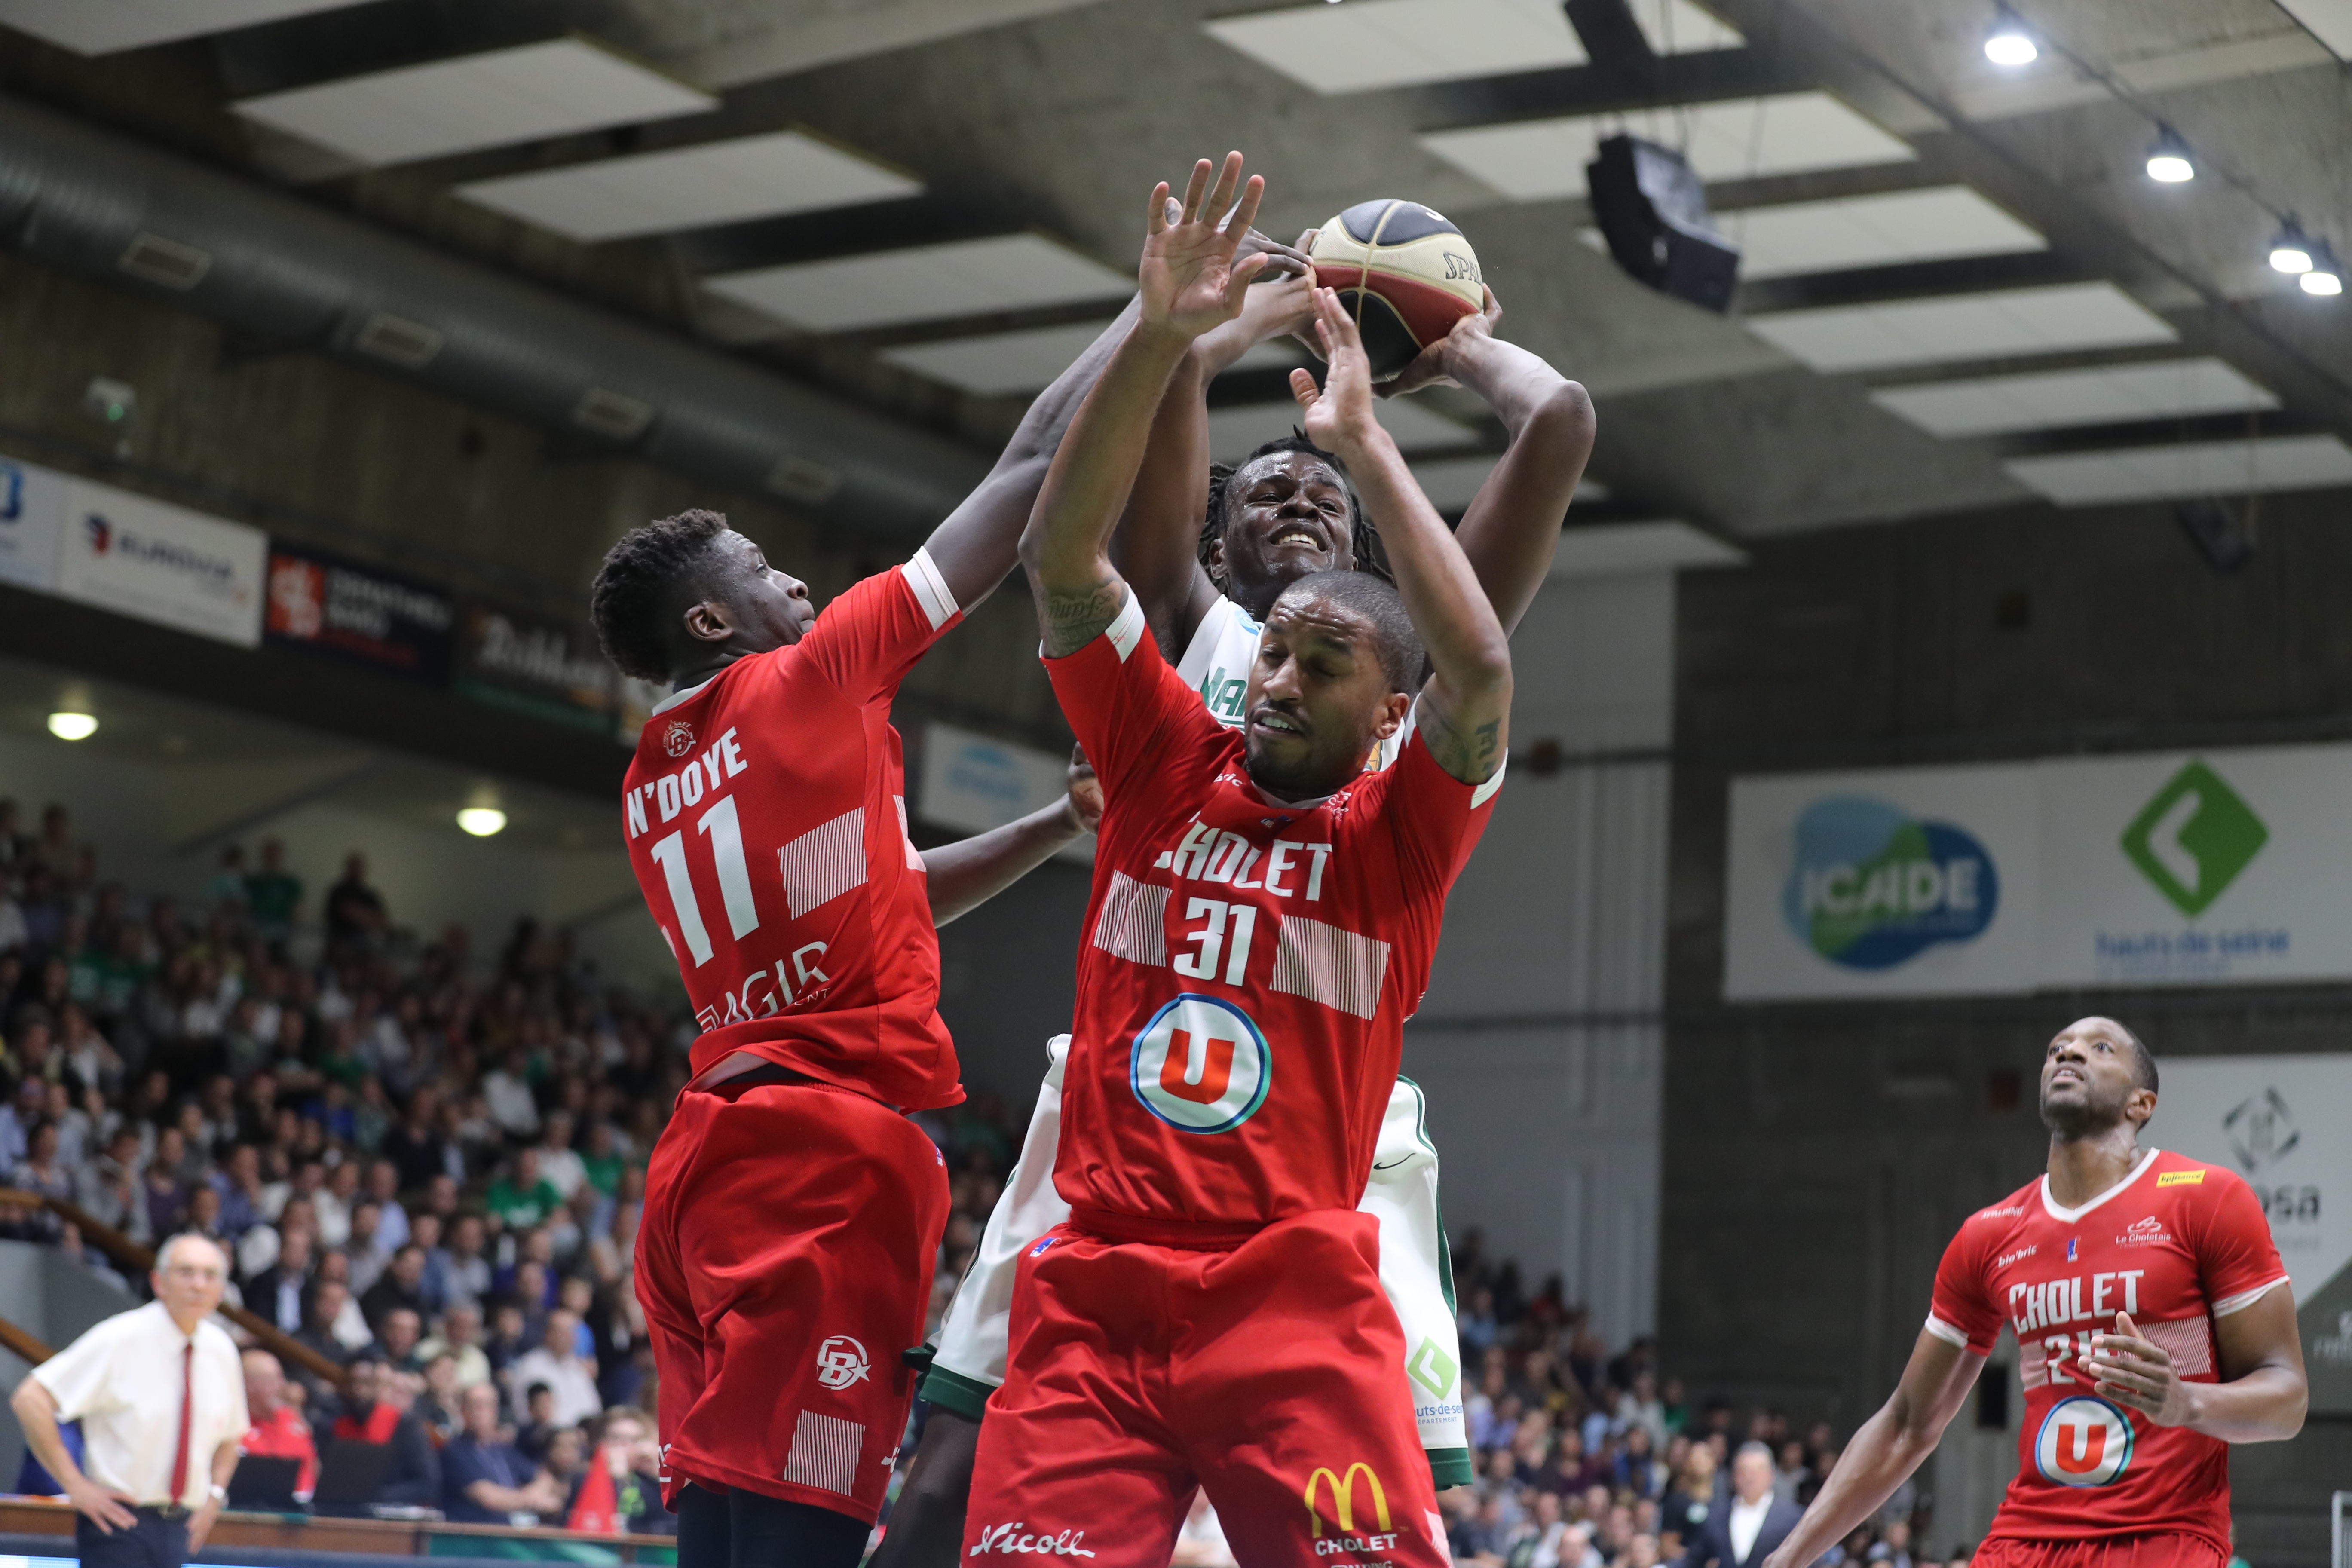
x,y
187,1409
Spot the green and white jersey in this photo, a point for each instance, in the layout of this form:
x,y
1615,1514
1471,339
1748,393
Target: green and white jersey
x,y
968,1353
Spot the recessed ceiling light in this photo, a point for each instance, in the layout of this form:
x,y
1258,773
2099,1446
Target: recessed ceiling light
x,y
66,725
2316,281
482,821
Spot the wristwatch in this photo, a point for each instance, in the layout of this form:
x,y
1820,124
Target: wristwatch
x,y
218,1493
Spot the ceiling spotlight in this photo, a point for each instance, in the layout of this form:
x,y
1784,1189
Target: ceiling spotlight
x,y
2291,251
68,725
2167,161
482,821
2009,44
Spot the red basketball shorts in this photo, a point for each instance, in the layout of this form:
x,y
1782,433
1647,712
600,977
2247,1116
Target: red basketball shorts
x,y
784,1264
2164,1551
1265,1374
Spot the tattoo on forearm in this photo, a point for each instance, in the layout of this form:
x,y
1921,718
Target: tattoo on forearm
x,y
1071,620
1471,757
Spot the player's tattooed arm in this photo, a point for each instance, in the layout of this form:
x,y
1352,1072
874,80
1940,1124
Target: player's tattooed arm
x,y
1071,618
1190,281
1471,755
1468,698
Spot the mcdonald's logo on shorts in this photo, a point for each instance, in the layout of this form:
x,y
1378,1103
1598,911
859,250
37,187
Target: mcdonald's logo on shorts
x,y
1342,1517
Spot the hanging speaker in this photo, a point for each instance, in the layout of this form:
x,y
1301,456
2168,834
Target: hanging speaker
x,y
1652,211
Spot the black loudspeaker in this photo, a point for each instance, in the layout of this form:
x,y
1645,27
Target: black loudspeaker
x,y
1652,211
2225,542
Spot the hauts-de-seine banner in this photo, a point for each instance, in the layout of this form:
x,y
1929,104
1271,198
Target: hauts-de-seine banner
x,y
2173,869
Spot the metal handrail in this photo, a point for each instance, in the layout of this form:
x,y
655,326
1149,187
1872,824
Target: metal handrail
x,y
129,1254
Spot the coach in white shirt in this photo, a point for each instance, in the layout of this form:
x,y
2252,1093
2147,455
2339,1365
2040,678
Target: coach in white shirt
x,y
160,1394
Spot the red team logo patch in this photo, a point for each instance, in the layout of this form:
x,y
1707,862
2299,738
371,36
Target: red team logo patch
x,y
1201,1065
678,739
2083,1442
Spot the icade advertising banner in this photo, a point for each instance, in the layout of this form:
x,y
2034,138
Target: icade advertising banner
x,y
2171,868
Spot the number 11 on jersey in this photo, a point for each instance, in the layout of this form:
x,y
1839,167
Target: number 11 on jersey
x,y
725,831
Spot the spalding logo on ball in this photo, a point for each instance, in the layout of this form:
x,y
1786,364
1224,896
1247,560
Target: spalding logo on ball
x,y
1403,272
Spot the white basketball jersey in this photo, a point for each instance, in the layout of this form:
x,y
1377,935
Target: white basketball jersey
x,y
1216,664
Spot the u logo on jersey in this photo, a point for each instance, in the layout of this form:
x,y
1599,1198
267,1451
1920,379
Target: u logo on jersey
x,y
2083,1442
1201,1065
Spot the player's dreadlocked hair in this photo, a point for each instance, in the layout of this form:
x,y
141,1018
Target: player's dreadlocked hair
x,y
639,588
1369,556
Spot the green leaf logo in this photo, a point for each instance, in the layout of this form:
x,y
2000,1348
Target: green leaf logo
x,y
2194,838
1432,1368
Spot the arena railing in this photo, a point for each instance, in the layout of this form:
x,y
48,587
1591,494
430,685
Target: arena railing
x,y
131,1257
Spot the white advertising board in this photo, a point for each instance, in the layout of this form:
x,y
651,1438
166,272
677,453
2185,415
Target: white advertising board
x,y
1913,881
2172,868
32,512
142,557
2284,1124
972,783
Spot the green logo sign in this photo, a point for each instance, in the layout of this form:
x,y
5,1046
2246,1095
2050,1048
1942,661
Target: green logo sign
x,y
2194,839
1432,1368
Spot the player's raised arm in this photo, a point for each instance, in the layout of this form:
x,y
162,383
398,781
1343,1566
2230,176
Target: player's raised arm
x,y
1513,524
1888,1448
1465,708
1157,547
974,546
1190,281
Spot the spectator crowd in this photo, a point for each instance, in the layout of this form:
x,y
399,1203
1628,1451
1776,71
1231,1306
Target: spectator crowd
x,y
426,1167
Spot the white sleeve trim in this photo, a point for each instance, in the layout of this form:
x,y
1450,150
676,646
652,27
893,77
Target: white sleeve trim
x,y
1486,791
930,589
1127,630
2245,1299
1947,1333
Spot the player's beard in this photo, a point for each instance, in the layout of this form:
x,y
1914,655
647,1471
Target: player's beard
x,y
2073,1120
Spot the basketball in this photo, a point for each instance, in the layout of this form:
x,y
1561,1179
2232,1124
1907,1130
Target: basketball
x,y
1404,272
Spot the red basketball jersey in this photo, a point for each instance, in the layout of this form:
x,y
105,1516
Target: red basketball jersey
x,y
1247,966
766,818
2177,1245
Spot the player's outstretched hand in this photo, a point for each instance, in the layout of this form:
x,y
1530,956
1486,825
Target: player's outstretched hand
x,y
1192,278
1085,792
2130,1369
1339,413
1282,260
1433,366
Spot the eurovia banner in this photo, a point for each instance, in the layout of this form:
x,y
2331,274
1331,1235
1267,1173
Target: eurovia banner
x,y
2175,869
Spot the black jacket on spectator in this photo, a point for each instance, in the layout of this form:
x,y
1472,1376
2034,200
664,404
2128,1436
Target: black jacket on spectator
x,y
1711,1547
388,1295
418,1160
261,1295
